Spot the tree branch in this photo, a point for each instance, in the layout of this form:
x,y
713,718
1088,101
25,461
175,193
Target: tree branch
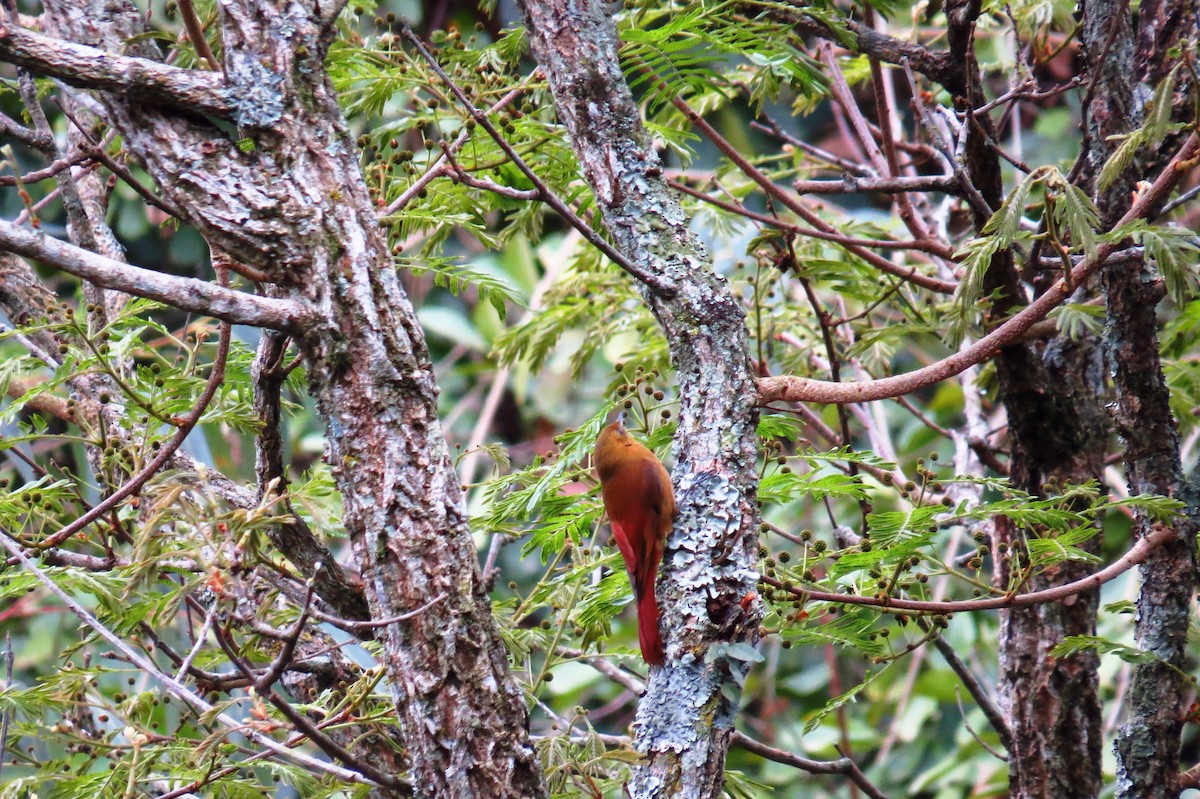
x,y
1137,554
136,78
851,184
844,765
937,65
802,389
188,294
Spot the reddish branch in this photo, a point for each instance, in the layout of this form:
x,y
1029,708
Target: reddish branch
x,y
1137,554
801,389
794,204
46,171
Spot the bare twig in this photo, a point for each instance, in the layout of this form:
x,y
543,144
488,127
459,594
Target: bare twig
x,y
461,176
1028,90
48,171
775,129
201,636
850,184
195,34
10,128
883,158
844,766
8,673
977,691
286,652
97,152
977,201
352,624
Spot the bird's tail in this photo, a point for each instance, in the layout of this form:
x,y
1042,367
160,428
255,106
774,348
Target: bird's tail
x,y
648,634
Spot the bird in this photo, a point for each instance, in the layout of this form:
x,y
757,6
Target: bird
x,y
640,502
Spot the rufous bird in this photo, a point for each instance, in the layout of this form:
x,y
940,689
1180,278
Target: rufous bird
x,y
641,507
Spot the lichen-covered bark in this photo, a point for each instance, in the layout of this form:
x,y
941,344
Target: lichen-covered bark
x,y
1128,57
294,205
686,717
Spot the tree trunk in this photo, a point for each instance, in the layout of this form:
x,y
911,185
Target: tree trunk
x,y
294,206
1128,59
706,593
1057,433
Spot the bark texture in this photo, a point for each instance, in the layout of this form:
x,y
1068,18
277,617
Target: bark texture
x,y
1128,57
1057,432
294,205
706,590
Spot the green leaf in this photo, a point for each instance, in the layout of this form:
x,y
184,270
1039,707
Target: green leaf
x,y
815,719
1075,644
1150,135
492,287
1000,232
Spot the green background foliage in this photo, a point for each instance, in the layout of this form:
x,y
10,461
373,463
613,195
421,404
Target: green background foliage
x,y
535,338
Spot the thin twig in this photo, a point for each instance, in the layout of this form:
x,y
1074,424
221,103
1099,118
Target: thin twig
x,y
973,686
844,766
288,650
166,452
97,151
351,624
8,674
1137,554
850,184
201,636
195,34
174,688
846,165
459,175
653,280
883,158
46,171
1025,92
